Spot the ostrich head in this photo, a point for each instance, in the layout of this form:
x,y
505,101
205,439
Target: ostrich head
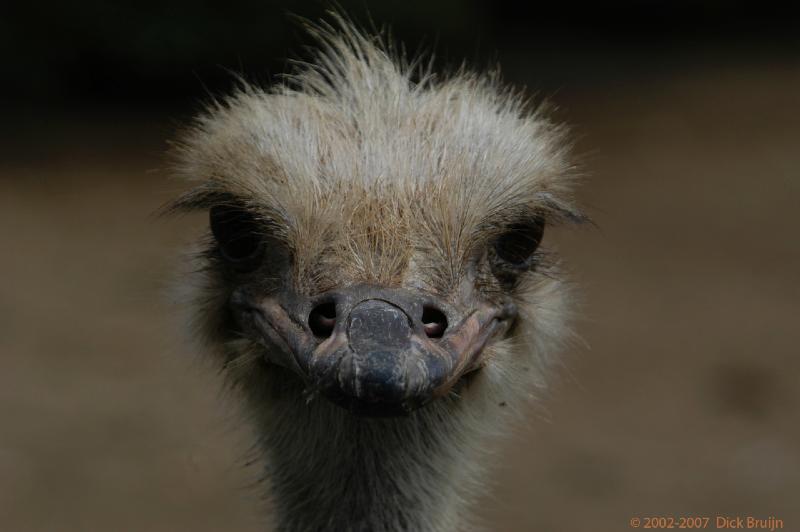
x,y
374,244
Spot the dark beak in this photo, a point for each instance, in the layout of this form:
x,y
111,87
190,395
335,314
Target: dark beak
x,y
376,351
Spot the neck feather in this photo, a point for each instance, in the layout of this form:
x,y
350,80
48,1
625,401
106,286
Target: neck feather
x,y
330,470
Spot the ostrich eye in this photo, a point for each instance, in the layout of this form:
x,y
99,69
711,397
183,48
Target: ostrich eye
x,y
237,234
520,240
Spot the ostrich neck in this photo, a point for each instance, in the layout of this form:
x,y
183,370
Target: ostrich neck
x,y
332,471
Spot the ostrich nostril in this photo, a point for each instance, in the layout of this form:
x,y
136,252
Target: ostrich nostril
x,y
434,322
322,320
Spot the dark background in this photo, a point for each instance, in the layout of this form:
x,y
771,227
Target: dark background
x,y
167,54
682,399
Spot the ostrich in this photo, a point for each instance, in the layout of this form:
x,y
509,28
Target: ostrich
x,y
372,283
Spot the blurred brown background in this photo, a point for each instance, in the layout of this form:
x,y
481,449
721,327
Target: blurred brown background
x,y
684,400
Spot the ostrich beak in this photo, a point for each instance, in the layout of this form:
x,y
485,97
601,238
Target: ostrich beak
x,y
375,351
